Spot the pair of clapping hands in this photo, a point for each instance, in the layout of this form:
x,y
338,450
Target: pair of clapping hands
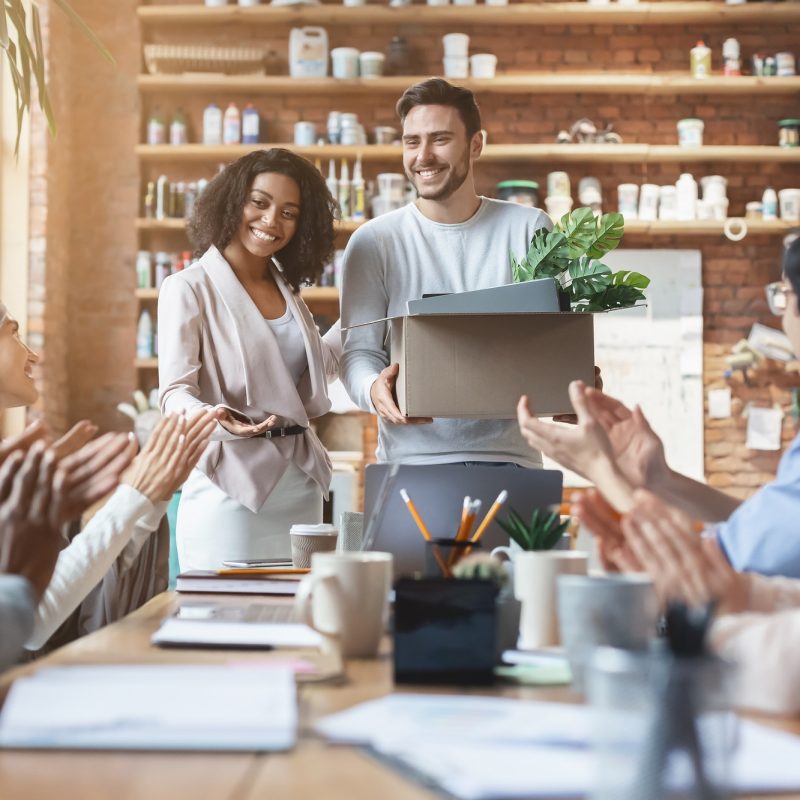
x,y
44,484
615,448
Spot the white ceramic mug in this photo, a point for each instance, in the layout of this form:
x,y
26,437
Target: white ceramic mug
x,y
346,597
535,576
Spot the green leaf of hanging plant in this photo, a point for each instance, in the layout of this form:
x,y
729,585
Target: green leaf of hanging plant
x,y
84,29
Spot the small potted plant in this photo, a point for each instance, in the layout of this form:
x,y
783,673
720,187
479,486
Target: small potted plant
x,y
570,255
535,564
544,531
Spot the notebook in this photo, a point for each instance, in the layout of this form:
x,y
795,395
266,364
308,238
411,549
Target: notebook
x,y
212,581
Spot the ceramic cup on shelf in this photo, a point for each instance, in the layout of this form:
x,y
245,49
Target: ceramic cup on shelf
x,y
557,206
456,67
344,62
371,64
483,65
456,45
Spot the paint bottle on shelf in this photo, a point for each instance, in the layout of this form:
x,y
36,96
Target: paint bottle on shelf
x,y
700,59
162,197
250,125
144,336
212,125
344,190
156,131
769,204
144,270
163,267
178,129
731,61
150,200
686,197
357,193
232,125
331,181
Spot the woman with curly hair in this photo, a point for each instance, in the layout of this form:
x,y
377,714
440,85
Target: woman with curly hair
x,y
235,335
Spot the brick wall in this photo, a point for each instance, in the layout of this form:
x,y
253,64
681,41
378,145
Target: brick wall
x,y
91,191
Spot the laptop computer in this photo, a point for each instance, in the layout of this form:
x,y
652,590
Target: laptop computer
x,y
438,491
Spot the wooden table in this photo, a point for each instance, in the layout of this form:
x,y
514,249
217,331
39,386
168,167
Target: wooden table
x,y
311,770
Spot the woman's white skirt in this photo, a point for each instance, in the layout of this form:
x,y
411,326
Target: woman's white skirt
x,y
213,527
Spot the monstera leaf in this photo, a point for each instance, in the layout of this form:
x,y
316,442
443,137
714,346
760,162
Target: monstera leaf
x,y
624,291
570,252
580,228
546,256
587,278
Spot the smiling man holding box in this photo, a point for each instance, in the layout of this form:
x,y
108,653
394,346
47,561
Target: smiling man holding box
x,y
449,240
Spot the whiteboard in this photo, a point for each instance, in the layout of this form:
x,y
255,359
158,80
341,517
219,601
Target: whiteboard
x,y
653,356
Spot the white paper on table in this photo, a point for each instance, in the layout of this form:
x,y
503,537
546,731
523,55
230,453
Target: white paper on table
x,y
407,717
765,760
764,428
719,403
152,707
219,633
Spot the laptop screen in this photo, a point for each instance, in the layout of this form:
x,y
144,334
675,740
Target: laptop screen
x,y
438,491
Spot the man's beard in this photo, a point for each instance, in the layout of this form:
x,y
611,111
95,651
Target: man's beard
x,y
454,182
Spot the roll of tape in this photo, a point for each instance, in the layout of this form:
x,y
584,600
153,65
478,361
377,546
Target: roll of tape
x,y
735,229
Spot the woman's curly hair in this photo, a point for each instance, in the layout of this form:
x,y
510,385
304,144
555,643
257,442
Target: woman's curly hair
x,y
218,212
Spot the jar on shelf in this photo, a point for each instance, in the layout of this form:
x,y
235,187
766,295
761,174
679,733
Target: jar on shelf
x,y
526,193
789,133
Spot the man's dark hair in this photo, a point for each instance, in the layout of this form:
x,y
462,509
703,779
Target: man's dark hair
x,y
438,92
218,212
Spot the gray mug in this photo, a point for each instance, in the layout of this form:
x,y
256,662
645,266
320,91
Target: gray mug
x,y
614,610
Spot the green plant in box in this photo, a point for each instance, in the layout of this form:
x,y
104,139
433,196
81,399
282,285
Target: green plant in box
x,y
543,532
570,254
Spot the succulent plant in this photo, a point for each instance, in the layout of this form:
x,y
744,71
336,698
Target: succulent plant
x,y
543,532
481,566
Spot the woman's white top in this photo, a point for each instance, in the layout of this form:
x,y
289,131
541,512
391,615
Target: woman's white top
x,y
291,343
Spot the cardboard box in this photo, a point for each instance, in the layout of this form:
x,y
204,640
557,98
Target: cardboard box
x,y
478,365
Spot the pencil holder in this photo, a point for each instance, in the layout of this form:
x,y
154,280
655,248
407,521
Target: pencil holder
x,y
444,631
441,555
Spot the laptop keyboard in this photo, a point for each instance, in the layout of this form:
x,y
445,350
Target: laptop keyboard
x,y
252,612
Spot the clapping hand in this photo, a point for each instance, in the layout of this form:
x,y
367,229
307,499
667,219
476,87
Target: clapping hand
x,y
90,473
30,539
638,451
171,453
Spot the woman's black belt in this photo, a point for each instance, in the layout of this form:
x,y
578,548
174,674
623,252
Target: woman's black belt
x,y
278,433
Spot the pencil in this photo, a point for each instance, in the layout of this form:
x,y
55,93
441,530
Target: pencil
x,y
424,531
412,509
461,532
264,571
490,515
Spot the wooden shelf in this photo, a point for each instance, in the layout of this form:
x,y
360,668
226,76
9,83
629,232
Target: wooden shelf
x,y
757,227
171,224
527,83
523,153
569,13
320,294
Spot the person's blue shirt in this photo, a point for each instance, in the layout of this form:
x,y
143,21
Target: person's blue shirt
x,y
763,534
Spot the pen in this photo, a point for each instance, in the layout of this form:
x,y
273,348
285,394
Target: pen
x,y
490,515
424,531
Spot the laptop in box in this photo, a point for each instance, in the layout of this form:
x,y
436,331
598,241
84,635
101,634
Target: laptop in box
x,y
438,491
